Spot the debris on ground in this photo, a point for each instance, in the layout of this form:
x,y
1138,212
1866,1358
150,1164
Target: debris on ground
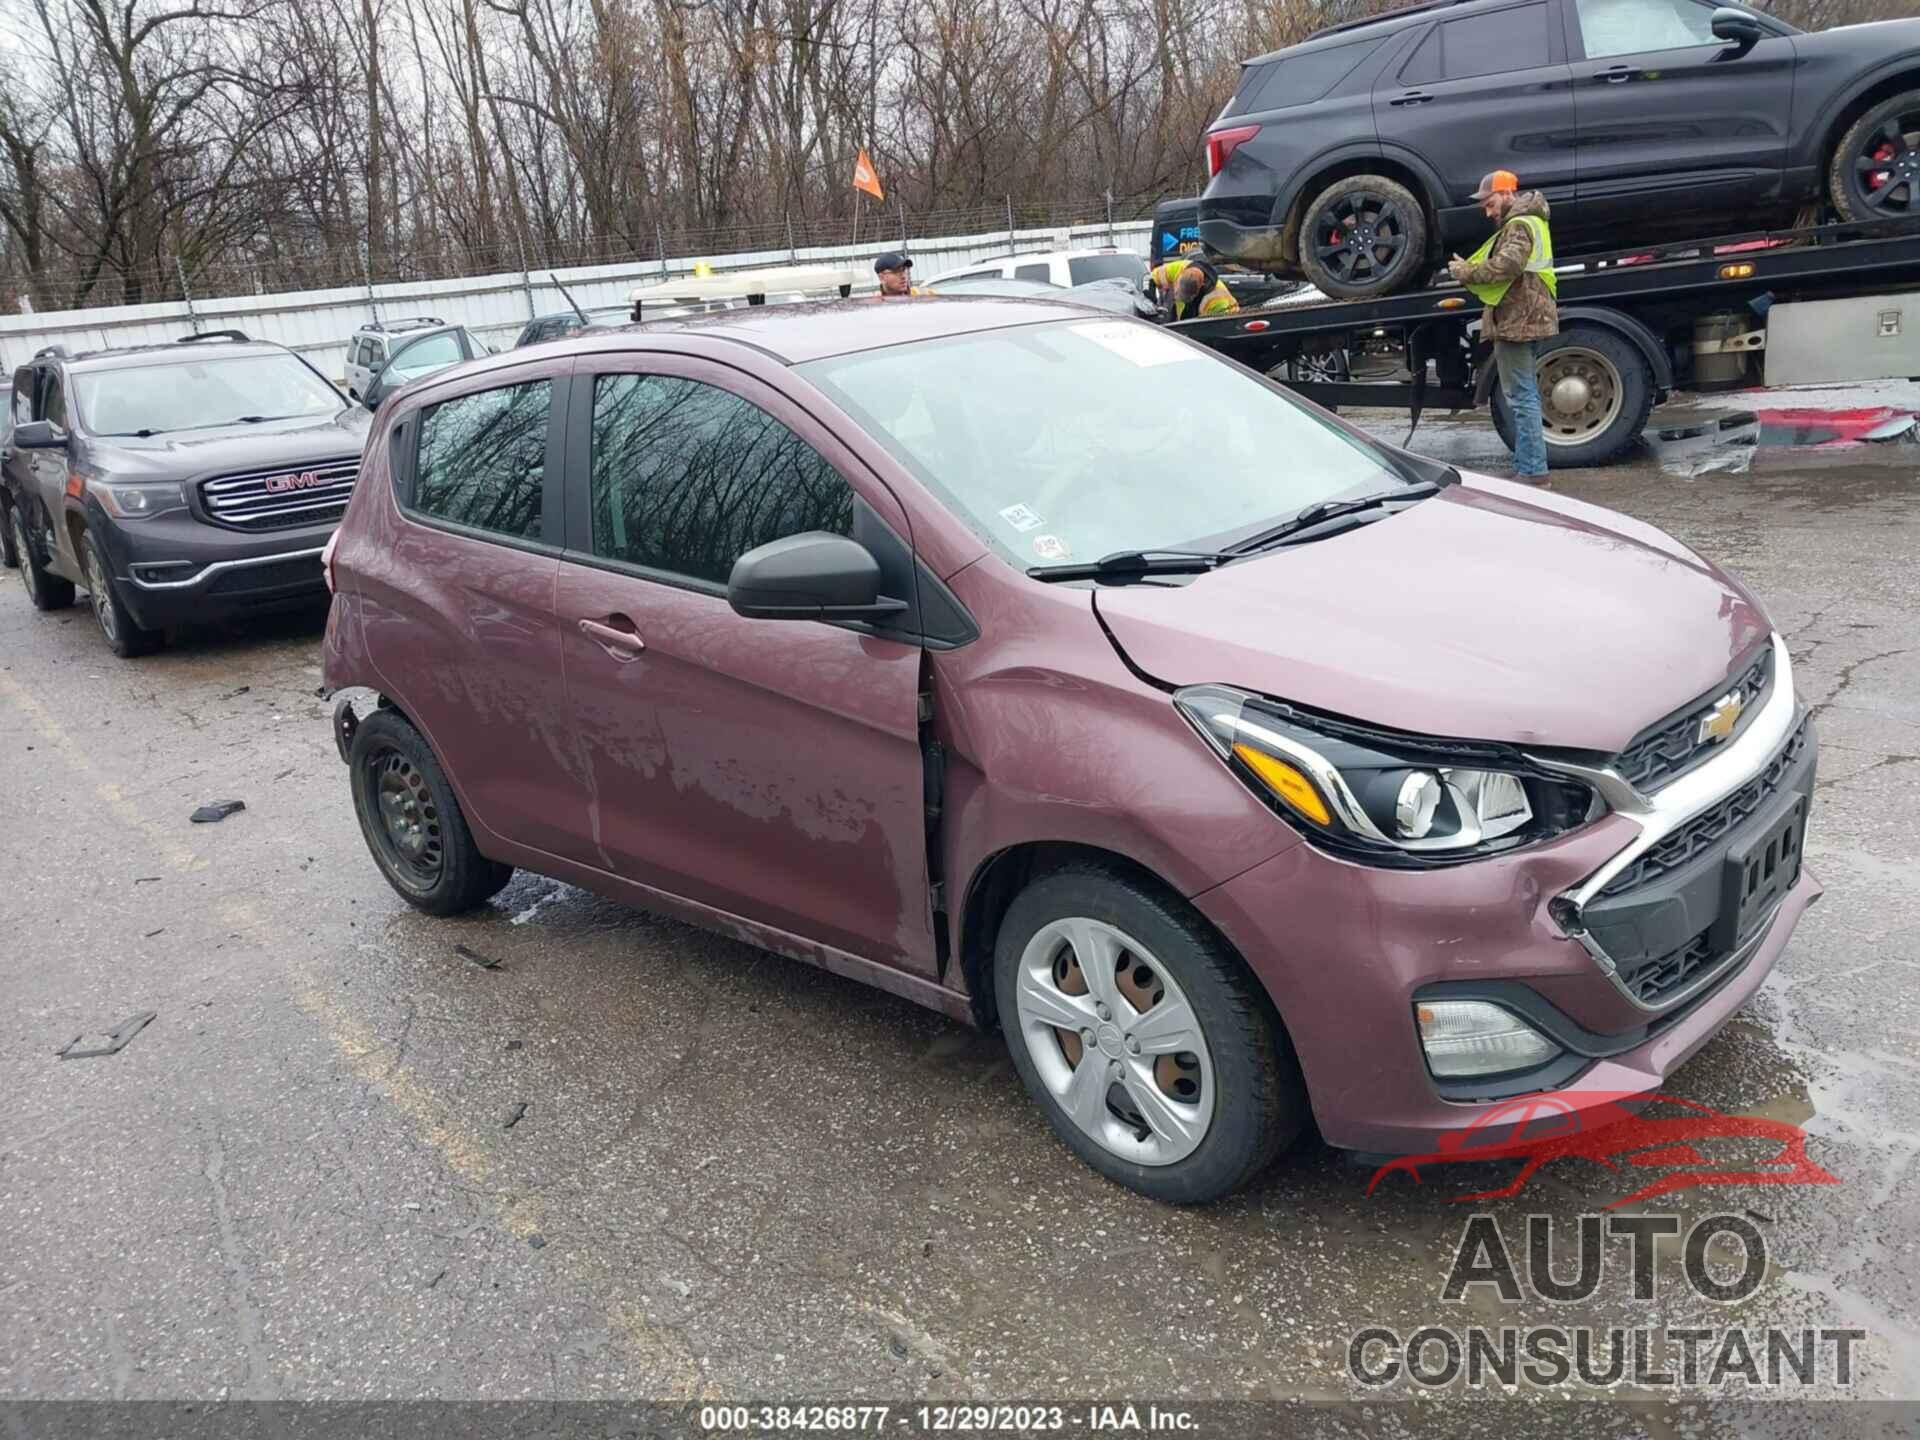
x,y
236,694
213,814
151,933
516,1112
436,1279
146,879
117,1038
516,1044
538,1242
483,961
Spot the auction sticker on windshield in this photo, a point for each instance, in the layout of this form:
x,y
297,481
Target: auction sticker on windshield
x,y
1141,344
1021,518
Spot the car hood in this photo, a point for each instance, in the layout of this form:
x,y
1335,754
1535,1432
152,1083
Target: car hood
x,y
235,447
1489,612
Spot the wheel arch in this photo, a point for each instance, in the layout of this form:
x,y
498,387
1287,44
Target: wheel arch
x,y
1886,80
1402,167
1001,876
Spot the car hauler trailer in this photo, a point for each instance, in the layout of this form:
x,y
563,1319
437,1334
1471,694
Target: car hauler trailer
x,y
1836,302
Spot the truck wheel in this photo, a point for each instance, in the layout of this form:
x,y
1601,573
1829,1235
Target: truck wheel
x,y
1875,170
1364,237
124,637
46,590
412,821
1154,1053
1595,395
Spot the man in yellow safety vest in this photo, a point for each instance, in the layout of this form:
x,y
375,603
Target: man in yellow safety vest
x,y
1189,287
1512,275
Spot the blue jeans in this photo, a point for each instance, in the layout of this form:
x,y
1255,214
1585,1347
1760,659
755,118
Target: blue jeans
x,y
1521,385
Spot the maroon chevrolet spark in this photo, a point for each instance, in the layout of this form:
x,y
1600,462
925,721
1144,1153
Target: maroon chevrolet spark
x,y
1048,670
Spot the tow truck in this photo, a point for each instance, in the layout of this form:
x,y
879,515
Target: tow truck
x,y
1817,304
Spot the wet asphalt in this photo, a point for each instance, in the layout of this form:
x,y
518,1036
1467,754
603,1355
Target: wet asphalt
x,y
735,1176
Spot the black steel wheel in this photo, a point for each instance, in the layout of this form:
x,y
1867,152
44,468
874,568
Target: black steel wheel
x,y
1875,172
412,820
1363,237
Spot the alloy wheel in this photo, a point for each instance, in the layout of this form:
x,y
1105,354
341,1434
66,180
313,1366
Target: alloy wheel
x,y
102,597
1886,168
1580,394
1361,236
407,822
1115,1041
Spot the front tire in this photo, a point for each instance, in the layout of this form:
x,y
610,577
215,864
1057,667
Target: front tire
x,y
1155,1055
1364,237
1595,395
46,590
412,821
1875,170
124,636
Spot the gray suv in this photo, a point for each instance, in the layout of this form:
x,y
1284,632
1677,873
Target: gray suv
x,y
173,483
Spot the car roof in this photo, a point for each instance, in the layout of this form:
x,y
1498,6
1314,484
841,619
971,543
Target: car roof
x,y
814,330
132,356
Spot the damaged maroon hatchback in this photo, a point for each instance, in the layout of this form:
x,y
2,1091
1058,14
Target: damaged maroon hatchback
x,y
1052,672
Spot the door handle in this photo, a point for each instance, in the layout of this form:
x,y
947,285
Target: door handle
x,y
1618,75
1412,97
616,635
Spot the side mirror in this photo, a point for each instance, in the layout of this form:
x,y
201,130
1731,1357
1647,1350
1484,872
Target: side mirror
x,y
1737,28
813,576
39,435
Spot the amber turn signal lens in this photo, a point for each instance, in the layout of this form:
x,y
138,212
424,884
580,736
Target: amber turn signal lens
x,y
1453,302
1741,270
1286,782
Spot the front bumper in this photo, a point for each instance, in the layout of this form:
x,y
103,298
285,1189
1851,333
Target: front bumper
x,y
1346,951
175,570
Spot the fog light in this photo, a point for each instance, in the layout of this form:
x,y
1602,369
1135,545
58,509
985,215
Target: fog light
x,y
1465,1038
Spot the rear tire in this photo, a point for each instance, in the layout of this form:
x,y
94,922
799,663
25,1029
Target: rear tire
x,y
1364,237
1611,374
46,590
9,550
1185,1111
1882,146
412,821
124,636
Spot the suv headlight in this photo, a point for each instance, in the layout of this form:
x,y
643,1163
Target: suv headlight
x,y
137,502
1381,797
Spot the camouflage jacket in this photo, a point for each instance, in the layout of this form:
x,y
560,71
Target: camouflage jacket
x,y
1526,311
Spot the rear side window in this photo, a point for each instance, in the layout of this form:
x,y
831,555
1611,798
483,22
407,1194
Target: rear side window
x,y
687,477
1300,79
482,460
1498,43
1042,272
1085,269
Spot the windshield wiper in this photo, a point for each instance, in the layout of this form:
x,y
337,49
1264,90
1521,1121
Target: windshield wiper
x,y
1130,564
1332,510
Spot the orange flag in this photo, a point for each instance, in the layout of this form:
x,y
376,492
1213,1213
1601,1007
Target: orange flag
x,y
864,177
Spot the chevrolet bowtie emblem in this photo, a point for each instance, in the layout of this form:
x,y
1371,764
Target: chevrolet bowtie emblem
x,y
1717,724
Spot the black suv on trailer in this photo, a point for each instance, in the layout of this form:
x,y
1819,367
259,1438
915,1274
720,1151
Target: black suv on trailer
x,y
173,483
1352,158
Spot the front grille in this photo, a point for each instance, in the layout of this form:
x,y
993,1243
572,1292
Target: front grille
x,y
1655,981
281,497
1709,827
1673,747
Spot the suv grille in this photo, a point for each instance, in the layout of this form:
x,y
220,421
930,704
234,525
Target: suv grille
x,y
1672,972
1708,828
1673,747
281,497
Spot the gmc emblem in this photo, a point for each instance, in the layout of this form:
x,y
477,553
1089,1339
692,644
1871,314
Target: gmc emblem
x,y
305,480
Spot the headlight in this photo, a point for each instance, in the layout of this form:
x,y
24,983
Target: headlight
x,y
1381,797
137,502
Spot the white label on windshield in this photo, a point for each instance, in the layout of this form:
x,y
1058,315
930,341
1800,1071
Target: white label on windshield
x,y
1050,547
1021,518
1142,344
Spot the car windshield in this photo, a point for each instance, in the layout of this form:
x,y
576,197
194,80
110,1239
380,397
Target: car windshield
x,y
1077,440
1082,269
189,392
